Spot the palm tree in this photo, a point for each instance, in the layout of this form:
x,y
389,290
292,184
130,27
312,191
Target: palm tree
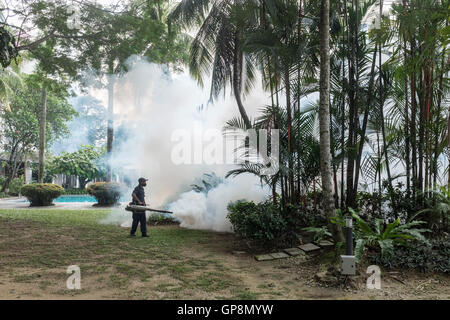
x,y
324,118
288,61
216,49
303,125
9,78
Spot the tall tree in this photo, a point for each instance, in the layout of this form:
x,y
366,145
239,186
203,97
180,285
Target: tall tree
x,y
42,125
21,130
139,29
324,118
104,38
216,49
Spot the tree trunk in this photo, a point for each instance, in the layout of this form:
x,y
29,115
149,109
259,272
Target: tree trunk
x,y
110,130
421,128
289,120
448,144
370,99
83,182
43,124
12,166
413,136
324,119
351,111
237,81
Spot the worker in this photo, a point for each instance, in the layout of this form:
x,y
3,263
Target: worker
x,y
138,196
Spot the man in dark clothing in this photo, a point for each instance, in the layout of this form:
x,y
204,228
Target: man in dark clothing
x,y
138,196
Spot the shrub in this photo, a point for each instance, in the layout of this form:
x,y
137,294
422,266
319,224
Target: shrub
x,y
260,222
106,193
15,186
426,258
161,219
383,236
438,211
41,194
301,215
319,233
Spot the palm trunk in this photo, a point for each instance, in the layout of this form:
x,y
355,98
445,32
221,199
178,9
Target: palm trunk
x,y
351,110
413,122
110,130
407,139
448,144
438,117
383,127
289,120
43,125
324,119
237,81
421,130
298,144
364,127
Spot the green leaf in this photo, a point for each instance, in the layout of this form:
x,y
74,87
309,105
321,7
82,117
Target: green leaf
x,y
389,228
387,247
359,249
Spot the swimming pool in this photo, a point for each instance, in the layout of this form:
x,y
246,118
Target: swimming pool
x,y
76,198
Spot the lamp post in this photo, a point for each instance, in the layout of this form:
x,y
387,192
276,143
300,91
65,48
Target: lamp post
x,y
349,236
348,260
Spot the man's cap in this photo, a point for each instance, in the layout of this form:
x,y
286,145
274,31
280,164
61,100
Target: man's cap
x,y
142,180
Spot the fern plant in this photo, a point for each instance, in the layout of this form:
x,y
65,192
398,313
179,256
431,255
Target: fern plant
x,y
385,236
440,211
319,233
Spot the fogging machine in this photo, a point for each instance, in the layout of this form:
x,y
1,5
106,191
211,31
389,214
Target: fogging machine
x,y
134,207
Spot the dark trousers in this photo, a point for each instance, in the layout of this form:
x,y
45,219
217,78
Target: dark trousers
x,y
139,217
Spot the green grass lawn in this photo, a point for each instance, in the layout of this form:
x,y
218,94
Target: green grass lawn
x,y
37,246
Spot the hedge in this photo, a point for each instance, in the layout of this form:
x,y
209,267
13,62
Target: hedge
x,y
41,194
106,193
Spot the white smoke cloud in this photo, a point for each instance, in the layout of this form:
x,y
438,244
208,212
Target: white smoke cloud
x,y
154,105
208,211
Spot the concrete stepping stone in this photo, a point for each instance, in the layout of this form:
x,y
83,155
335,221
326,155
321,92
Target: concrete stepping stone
x,y
264,257
325,244
309,247
293,251
279,255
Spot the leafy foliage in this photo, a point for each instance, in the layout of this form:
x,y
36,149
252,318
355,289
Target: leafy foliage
x,y
8,50
15,186
438,213
208,182
262,222
106,193
41,194
84,163
75,191
383,236
319,233
19,132
433,257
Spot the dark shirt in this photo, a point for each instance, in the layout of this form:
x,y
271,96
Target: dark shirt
x,y
140,193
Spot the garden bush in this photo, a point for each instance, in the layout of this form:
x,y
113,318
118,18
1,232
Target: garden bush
x,y
262,222
41,194
433,257
15,186
383,237
106,193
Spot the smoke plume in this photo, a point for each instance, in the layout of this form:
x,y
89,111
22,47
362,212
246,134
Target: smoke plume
x,y
152,104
